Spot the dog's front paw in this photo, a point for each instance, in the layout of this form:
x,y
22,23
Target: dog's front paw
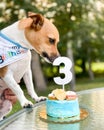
x,y
27,104
41,98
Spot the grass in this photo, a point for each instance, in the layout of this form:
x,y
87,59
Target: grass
x,y
97,68
81,84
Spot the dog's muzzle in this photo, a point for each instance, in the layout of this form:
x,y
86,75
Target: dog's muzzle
x,y
49,58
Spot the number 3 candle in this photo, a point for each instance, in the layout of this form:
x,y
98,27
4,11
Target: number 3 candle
x,y
63,70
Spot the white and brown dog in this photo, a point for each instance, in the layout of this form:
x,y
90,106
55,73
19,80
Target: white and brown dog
x,y
34,32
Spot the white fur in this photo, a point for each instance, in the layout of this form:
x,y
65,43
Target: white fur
x,y
20,68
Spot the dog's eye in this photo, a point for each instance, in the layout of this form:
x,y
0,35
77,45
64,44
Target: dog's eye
x,y
51,40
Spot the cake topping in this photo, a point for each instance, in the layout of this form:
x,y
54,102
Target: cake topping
x,y
70,95
60,94
51,96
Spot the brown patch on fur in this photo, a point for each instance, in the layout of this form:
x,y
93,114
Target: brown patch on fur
x,y
35,21
3,71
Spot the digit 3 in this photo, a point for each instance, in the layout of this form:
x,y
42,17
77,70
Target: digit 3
x,y
63,70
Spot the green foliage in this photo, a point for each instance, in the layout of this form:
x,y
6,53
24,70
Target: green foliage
x,y
11,11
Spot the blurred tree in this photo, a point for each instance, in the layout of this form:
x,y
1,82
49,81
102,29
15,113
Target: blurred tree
x,y
79,22
38,76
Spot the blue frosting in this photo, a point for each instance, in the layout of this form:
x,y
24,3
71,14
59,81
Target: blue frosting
x,y
65,108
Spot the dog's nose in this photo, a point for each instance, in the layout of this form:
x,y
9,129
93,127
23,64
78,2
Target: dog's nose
x,y
50,58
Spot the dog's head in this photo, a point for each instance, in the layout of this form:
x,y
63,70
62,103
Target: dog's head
x,y
42,35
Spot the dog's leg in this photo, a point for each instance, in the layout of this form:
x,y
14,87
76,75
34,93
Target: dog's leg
x,y
30,87
11,83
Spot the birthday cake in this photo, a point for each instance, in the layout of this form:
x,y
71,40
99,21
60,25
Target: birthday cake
x,y
62,104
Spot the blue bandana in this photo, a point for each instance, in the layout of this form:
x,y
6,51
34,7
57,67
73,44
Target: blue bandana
x,y
10,51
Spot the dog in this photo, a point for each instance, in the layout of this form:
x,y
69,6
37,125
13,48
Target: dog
x,y
34,32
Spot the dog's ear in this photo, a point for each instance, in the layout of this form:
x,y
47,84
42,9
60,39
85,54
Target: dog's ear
x,y
25,23
38,20
34,20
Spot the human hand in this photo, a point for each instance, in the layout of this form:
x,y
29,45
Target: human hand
x,y
9,95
